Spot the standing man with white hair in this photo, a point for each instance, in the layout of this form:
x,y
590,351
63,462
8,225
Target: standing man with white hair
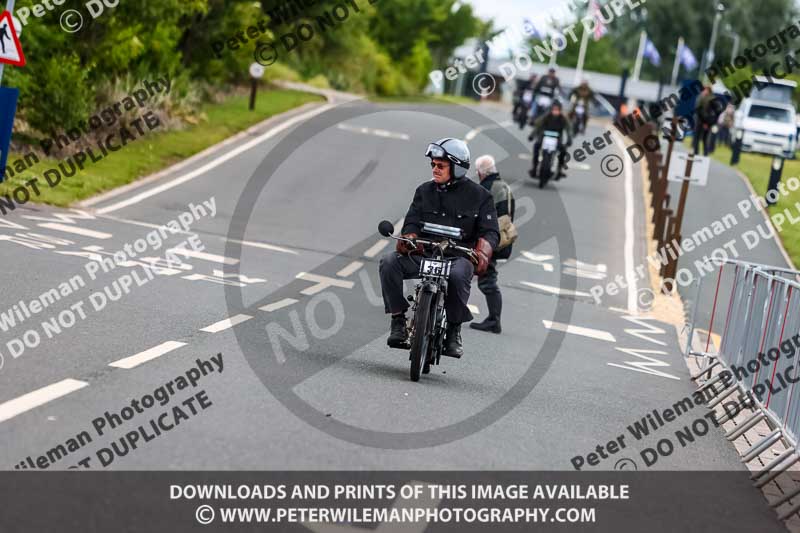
x,y
504,204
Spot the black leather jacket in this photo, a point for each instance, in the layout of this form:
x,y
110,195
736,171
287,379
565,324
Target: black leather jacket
x,y
461,203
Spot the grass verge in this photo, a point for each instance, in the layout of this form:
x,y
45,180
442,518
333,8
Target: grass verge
x,y
757,167
156,150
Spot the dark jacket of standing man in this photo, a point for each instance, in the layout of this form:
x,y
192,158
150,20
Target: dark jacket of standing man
x,y
449,199
504,204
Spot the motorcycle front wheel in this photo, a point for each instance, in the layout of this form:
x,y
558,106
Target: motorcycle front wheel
x,y
422,334
544,169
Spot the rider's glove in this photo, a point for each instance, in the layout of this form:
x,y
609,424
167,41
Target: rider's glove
x,y
404,248
483,253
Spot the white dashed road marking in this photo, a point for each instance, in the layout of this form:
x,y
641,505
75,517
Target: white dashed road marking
x,y
577,330
376,248
228,323
147,355
76,230
473,309
286,302
265,246
350,269
34,399
373,131
586,274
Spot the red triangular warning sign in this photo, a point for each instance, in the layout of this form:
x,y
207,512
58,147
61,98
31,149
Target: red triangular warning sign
x,y
10,49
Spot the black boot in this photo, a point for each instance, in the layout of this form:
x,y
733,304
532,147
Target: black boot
x,y
452,343
398,336
494,302
489,324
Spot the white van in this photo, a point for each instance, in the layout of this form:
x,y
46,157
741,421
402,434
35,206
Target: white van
x,y
765,121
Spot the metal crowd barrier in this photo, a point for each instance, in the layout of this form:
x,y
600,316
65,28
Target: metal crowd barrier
x,y
759,312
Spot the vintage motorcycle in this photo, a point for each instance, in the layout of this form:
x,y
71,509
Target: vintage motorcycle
x,y
551,140
578,117
426,330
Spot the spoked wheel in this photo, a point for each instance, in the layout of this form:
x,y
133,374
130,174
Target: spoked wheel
x,y
544,169
420,345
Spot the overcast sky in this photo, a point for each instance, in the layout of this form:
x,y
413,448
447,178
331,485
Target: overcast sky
x,y
507,13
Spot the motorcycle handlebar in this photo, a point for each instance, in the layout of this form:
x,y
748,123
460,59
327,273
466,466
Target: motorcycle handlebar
x,y
414,242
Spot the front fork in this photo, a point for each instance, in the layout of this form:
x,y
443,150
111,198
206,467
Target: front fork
x,y
440,322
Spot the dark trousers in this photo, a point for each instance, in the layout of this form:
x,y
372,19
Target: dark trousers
x,y
701,133
395,267
488,286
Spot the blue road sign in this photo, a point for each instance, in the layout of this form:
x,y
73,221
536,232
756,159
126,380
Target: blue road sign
x,y
8,108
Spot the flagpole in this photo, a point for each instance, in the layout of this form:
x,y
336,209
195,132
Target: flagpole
x,y
637,69
676,67
10,9
581,56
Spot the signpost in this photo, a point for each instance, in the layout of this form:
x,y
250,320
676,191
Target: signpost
x,y
11,53
8,108
256,71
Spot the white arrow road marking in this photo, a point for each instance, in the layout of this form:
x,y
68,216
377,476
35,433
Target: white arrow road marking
x,y
76,230
546,266
376,248
577,330
580,265
34,399
228,155
423,502
645,367
147,355
214,258
648,328
537,259
322,283
350,269
228,323
555,290
286,302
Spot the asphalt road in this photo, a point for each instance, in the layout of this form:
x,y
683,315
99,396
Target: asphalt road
x,y
307,380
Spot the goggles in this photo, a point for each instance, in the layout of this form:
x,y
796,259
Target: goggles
x,y
435,152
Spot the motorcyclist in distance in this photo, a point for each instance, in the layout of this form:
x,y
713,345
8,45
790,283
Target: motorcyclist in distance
x,y
581,95
554,120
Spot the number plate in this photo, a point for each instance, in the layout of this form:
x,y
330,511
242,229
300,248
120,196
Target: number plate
x,y
550,144
432,267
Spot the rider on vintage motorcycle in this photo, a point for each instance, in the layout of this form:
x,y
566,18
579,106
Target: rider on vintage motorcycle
x,y
545,92
556,121
523,101
580,97
449,199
